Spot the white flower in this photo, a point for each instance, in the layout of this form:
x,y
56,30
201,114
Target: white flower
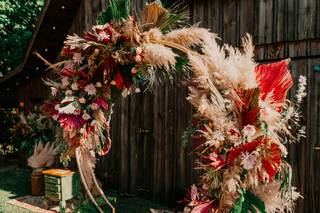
x,y
82,100
249,160
94,106
248,131
69,109
86,116
138,50
74,86
65,81
98,84
56,107
1,75
138,58
77,58
68,99
125,93
54,91
55,117
69,92
90,89
103,35
301,92
137,90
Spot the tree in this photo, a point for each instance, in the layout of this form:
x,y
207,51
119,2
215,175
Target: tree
x,y
17,22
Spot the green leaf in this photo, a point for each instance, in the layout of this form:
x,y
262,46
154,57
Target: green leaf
x,y
117,10
247,202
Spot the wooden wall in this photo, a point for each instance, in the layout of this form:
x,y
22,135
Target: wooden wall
x,y
147,156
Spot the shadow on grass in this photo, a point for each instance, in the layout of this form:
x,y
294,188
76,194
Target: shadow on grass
x,y
123,204
14,183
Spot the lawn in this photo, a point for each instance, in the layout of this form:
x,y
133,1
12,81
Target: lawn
x,y
16,183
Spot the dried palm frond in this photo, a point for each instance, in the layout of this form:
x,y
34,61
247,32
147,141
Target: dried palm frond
x,y
155,15
151,14
174,16
43,156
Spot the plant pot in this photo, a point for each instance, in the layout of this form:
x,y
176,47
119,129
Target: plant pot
x,y
37,182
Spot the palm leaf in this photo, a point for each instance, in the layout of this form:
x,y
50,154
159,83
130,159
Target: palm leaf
x,y
117,10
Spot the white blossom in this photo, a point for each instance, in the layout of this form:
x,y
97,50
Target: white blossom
x,y
248,131
90,89
249,160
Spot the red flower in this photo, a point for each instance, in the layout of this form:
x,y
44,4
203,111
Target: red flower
x,y
216,161
67,51
71,122
90,37
272,160
247,147
102,103
121,80
274,79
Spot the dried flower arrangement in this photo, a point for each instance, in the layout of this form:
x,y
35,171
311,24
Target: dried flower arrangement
x,y
241,126
242,114
43,155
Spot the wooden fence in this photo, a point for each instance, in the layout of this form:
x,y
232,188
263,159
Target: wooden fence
x,y
147,155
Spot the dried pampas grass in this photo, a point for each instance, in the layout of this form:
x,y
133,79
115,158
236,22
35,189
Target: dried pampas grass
x,y
159,56
189,36
43,156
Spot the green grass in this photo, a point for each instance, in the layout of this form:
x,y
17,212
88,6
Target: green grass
x,y
13,184
16,183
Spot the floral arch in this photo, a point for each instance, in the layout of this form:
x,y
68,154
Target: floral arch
x,y
242,121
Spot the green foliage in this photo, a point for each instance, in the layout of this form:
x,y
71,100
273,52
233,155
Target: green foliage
x,y
8,118
17,21
190,130
248,202
118,9
31,130
176,15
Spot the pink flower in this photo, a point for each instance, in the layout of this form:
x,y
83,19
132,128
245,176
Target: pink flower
x,y
74,86
86,116
82,100
134,70
249,160
77,58
90,89
249,131
138,58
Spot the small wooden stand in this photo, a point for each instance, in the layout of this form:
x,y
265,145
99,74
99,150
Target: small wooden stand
x,y
60,185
